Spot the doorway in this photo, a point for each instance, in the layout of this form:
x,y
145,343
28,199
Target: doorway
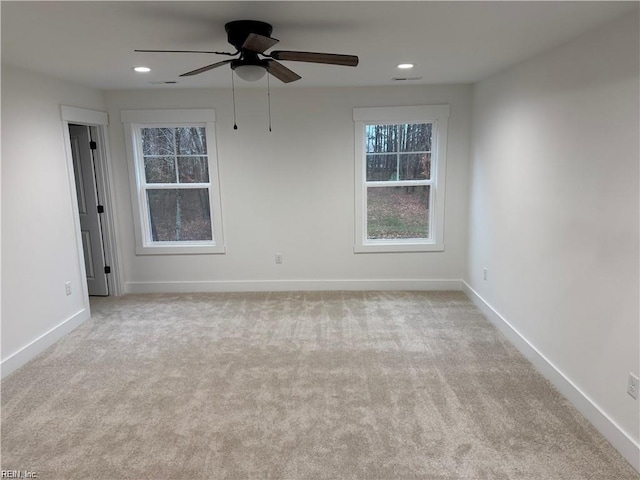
x,y
100,258
90,208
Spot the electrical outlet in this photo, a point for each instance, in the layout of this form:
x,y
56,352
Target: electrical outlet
x,y
632,385
485,273
67,288
278,258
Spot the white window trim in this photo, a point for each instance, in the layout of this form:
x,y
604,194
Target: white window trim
x,y
438,115
132,120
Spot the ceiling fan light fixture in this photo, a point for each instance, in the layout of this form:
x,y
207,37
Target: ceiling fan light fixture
x,y
250,73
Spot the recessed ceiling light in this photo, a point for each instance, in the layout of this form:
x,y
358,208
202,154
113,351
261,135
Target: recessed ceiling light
x,y
405,65
142,69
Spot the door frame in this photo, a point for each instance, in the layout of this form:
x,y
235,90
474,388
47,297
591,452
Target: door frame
x,y
99,122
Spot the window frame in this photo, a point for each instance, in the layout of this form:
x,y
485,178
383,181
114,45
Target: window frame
x,y
438,116
134,121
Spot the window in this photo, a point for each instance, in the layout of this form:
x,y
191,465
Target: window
x,y
174,181
400,159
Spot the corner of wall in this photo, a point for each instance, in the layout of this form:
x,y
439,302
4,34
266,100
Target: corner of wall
x,y
613,432
44,341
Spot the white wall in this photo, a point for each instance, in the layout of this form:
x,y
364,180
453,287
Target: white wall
x,y
554,213
291,191
553,206
39,250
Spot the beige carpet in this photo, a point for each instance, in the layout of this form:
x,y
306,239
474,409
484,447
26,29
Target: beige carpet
x,y
324,385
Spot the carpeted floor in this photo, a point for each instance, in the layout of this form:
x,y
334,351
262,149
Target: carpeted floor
x,y
316,385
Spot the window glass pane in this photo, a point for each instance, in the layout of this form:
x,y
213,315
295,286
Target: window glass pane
x,y
398,212
382,168
158,141
414,137
415,166
160,169
381,138
191,141
193,170
179,214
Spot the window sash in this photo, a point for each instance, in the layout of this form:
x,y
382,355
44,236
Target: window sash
x,y
399,183
406,241
174,186
145,186
395,152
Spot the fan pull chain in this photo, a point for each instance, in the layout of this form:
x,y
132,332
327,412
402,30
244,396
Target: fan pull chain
x,y
233,94
269,100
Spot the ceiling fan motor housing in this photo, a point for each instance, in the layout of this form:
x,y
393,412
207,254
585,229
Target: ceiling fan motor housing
x,y
239,30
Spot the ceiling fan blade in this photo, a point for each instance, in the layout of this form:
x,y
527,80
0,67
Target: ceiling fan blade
x,y
206,69
185,51
315,57
281,72
258,43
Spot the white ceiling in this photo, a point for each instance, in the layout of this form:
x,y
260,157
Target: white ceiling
x,y
92,43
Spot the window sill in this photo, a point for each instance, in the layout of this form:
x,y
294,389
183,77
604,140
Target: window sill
x,y
181,250
398,247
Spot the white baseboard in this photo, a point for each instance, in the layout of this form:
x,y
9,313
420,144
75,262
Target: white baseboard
x,y
40,344
289,285
620,440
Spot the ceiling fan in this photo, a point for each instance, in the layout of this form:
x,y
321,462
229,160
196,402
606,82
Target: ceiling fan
x,y
251,39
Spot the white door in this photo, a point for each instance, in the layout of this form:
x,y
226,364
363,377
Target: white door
x,y
88,206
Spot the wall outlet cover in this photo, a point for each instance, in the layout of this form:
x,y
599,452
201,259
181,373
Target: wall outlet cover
x,y
632,386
